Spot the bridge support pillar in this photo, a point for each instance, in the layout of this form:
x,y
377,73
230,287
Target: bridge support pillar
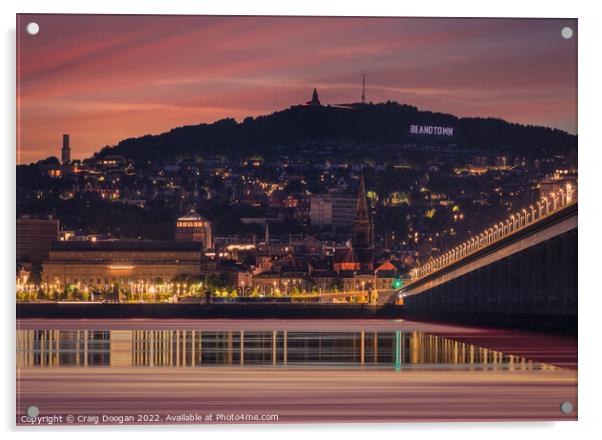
x,y
539,278
532,280
526,290
570,272
554,276
491,288
502,285
514,297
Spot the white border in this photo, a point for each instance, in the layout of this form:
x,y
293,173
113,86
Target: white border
x,y
589,168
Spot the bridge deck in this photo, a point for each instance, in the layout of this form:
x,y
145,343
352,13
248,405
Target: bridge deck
x,y
549,227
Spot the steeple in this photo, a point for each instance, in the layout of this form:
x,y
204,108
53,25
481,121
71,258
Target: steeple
x,y
362,201
363,229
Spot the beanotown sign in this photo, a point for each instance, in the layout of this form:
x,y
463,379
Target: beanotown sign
x,y
433,130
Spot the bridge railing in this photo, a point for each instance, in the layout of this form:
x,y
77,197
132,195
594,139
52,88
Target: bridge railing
x,y
545,206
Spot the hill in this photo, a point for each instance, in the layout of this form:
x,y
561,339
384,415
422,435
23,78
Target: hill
x,y
355,123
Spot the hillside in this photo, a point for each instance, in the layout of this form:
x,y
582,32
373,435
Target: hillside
x,y
371,123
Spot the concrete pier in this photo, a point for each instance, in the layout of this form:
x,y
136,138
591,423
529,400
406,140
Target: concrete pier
x,y
536,284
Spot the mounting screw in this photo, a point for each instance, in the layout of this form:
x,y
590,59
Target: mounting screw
x,y
566,407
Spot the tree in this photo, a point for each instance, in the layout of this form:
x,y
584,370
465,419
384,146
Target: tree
x,y
337,285
35,277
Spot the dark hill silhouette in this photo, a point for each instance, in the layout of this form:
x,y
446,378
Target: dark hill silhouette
x,y
385,122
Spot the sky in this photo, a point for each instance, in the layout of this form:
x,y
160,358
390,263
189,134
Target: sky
x,y
104,78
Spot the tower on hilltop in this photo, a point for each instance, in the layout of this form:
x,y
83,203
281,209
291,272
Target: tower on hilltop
x,y
314,98
363,89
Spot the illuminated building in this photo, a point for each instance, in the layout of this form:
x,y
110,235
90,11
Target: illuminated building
x,y
104,263
283,283
565,180
386,277
345,259
193,227
361,281
75,236
34,236
112,162
109,193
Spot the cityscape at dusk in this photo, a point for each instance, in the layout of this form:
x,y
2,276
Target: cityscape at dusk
x,y
405,188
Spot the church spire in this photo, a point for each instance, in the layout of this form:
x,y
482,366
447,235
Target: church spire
x,y
362,202
363,230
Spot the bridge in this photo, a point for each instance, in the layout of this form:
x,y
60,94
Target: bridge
x,y
522,268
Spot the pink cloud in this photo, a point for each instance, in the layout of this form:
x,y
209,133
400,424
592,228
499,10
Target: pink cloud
x,y
103,78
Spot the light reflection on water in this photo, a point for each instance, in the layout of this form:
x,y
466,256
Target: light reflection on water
x,y
191,348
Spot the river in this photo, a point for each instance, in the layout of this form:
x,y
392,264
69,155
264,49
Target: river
x,y
288,371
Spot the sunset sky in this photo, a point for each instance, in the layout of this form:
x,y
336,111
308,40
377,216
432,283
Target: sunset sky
x,y
106,78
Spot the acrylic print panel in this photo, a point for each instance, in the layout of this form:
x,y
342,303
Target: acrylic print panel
x,y
295,219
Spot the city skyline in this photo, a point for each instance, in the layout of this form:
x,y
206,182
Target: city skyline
x,y
389,214
126,76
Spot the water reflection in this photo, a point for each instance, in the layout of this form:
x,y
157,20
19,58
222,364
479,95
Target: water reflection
x,y
188,348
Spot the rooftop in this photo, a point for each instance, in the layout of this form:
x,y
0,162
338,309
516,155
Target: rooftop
x,y
126,245
192,217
